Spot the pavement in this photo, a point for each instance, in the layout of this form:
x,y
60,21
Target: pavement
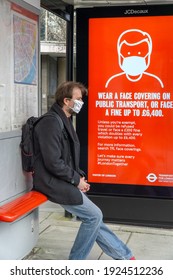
x,y
57,234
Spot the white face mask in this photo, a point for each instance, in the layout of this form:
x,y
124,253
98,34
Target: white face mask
x,y
134,65
77,106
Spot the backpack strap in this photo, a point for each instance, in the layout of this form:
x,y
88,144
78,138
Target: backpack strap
x,y
53,114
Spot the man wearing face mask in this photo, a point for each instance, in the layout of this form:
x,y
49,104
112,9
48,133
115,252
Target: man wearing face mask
x,y
58,176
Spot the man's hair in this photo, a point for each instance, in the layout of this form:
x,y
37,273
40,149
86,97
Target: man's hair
x,y
65,90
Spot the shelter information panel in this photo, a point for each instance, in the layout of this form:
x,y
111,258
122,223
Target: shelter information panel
x,y
19,65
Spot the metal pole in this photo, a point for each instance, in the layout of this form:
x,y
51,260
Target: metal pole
x,y
69,57
69,44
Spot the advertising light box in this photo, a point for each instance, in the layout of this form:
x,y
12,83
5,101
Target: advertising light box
x,y
128,70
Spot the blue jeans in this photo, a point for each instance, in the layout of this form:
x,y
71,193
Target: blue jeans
x,y
93,229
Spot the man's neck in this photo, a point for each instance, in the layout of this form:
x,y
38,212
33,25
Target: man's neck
x,y
68,115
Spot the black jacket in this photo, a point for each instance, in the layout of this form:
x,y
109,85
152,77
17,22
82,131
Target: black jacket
x,y
56,166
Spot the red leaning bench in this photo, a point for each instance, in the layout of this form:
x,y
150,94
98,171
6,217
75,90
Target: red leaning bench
x,y
20,206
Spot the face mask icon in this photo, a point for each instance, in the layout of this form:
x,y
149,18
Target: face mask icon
x,y
134,65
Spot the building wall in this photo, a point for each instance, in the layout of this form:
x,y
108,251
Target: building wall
x,y
53,73
61,69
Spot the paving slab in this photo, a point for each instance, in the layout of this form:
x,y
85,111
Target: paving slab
x,y
149,246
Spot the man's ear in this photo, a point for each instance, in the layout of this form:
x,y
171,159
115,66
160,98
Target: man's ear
x,y
66,101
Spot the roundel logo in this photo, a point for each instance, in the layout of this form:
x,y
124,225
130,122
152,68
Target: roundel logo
x,y
151,177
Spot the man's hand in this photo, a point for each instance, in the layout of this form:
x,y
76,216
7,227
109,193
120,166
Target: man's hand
x,y
83,185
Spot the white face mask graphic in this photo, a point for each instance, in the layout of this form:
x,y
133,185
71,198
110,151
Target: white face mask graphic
x,y
134,65
77,106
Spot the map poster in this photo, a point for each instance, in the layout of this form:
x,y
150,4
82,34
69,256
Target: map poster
x,y
25,65
130,101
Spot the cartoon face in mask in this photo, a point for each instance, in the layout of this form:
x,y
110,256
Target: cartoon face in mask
x,y
134,49
77,106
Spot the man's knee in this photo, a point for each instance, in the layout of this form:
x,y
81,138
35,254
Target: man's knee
x,y
97,215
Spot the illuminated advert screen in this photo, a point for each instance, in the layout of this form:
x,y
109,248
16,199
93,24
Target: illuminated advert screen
x,y
129,108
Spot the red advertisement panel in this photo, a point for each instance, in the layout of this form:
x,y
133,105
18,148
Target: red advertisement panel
x,y
130,107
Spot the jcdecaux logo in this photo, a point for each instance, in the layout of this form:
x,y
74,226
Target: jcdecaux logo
x,y
133,12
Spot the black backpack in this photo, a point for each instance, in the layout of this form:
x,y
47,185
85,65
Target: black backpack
x,y
27,141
